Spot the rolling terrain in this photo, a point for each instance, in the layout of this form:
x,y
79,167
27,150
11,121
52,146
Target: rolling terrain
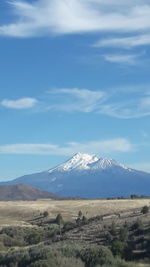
x,y
23,192
102,229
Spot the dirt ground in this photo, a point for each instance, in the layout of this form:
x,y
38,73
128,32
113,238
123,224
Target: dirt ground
x,y
19,212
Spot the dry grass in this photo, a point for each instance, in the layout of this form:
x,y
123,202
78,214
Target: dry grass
x,y
19,212
142,265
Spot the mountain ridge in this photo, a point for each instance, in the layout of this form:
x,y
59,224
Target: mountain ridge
x,y
24,192
89,176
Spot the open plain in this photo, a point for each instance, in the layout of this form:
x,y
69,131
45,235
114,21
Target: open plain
x,y
21,212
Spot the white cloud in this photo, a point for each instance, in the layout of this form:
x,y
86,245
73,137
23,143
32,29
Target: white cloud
x,y
123,103
22,103
126,42
45,17
75,99
122,58
119,145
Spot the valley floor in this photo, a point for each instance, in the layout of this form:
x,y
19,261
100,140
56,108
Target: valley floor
x,y
20,213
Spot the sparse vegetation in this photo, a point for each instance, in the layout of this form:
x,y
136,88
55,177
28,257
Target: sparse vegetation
x,y
108,240
18,213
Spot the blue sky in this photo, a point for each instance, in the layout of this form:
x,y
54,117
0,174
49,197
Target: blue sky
x,y
74,76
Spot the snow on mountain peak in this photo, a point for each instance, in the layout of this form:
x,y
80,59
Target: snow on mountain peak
x,y
107,163
81,161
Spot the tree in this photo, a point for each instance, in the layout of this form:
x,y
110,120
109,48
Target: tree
x,y
113,228
59,219
84,220
118,248
145,210
45,213
80,214
138,226
123,234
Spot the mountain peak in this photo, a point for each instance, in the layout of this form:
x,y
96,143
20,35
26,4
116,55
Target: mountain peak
x,y
82,161
79,161
84,156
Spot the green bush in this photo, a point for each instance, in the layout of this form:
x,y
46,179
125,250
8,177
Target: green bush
x,y
94,255
38,256
138,226
123,234
145,210
118,248
59,219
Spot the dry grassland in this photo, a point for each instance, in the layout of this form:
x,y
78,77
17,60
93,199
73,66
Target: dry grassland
x,y
20,212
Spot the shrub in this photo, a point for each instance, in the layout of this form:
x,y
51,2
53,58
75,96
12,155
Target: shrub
x,y
84,220
145,210
59,219
109,238
113,228
2,247
80,214
96,255
123,234
68,226
45,213
118,248
138,226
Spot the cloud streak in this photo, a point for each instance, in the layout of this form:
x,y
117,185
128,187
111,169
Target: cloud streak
x,y
119,145
120,103
127,59
22,103
75,99
124,42
48,17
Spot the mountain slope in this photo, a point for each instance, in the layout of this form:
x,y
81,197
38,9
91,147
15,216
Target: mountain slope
x,y
89,176
23,192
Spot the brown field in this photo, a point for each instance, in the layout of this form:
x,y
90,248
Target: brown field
x,y
20,212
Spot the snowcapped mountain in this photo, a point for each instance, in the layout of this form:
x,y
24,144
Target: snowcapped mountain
x,y
81,162
78,162
89,176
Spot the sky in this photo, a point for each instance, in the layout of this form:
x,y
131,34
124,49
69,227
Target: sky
x,y
74,77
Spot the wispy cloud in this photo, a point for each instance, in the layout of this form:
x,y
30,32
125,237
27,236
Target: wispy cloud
x,y
127,59
75,99
45,17
124,103
125,42
22,103
119,145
